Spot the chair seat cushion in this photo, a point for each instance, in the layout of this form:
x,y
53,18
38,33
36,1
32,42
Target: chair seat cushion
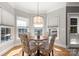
x,y
32,44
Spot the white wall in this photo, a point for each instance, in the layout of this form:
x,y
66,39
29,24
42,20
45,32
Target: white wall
x,y
52,20
7,17
58,17
7,14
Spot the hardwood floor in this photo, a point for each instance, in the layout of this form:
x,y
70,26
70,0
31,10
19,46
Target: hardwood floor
x,y
58,51
13,51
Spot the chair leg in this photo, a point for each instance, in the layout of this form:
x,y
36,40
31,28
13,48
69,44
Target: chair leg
x,y
52,53
49,54
22,53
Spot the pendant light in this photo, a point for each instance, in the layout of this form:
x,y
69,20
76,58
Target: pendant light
x,y
38,20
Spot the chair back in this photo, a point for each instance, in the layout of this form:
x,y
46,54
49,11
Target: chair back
x,y
25,42
52,41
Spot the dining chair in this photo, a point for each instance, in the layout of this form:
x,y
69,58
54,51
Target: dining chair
x,y
27,45
47,48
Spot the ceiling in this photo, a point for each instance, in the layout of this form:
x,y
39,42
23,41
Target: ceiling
x,y
34,7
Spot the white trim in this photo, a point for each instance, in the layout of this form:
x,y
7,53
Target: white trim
x,y
73,13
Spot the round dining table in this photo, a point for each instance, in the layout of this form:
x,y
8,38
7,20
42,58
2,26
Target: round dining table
x,y
38,42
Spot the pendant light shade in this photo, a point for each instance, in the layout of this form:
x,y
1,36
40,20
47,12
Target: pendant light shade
x,y
38,20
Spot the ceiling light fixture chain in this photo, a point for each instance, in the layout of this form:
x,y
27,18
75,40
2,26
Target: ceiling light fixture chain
x,y
38,8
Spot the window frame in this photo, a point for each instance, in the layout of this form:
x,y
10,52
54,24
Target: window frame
x,y
6,35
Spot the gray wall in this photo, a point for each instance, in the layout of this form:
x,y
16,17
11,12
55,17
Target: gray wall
x,y
72,9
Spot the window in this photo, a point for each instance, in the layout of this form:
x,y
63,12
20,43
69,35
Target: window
x,y
73,29
5,34
22,25
73,25
22,29
38,31
73,21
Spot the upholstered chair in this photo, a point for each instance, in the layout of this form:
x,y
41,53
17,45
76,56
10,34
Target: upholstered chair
x,y
47,48
27,45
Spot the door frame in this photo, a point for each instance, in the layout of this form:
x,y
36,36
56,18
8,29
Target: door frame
x,y
70,15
